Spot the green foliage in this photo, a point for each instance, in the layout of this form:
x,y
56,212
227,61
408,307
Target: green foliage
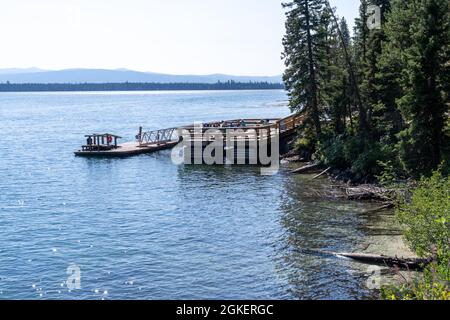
x,y
433,284
389,173
400,72
301,56
426,217
423,80
415,153
353,153
306,144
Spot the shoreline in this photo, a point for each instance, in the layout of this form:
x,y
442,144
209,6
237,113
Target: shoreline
x,y
384,233
141,86
382,236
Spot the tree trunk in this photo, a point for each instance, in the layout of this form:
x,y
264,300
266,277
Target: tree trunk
x,y
306,169
312,74
363,128
410,264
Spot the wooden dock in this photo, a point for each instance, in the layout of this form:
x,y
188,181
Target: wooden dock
x,y
127,149
259,130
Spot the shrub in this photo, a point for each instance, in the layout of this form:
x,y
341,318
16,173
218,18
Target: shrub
x,y
306,143
426,217
352,153
432,285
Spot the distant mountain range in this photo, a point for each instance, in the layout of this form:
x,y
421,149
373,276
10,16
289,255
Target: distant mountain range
x,y
35,75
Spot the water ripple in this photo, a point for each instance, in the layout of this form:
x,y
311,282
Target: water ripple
x,y
142,228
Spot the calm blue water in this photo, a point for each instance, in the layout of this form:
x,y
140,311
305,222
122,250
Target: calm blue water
x,y
143,228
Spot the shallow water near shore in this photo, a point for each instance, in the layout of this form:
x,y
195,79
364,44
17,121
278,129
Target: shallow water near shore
x,y
144,228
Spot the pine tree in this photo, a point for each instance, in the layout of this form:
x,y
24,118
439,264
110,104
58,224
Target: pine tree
x,y
300,54
396,79
333,75
370,65
387,119
380,113
345,32
372,55
423,55
345,102
361,32
360,49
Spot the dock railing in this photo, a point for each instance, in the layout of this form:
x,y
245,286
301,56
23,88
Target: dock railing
x,y
156,137
234,130
290,123
231,130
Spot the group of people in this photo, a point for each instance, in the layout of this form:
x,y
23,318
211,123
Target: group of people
x,y
232,124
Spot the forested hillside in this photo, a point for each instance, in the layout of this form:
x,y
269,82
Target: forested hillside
x,y
137,86
377,102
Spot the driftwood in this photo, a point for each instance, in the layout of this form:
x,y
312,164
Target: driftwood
x,y
350,192
402,263
306,169
292,159
362,192
411,264
384,207
367,192
292,156
322,173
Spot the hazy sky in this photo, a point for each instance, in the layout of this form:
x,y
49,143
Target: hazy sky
x,y
241,37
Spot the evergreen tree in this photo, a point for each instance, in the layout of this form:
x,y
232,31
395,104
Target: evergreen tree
x,y
300,53
424,57
345,101
361,35
328,67
395,79
345,32
373,51
333,79
361,32
387,119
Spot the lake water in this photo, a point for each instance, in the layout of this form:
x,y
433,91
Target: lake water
x,y
144,228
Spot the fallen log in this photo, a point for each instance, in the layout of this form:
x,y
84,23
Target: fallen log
x,y
293,159
411,264
321,174
392,262
306,169
367,192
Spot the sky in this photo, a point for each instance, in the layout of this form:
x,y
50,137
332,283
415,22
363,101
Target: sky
x,y
239,37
